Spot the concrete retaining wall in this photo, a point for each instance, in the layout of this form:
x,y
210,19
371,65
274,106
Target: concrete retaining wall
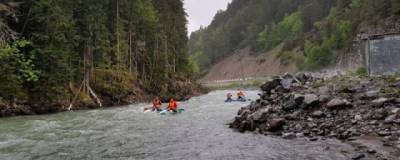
x,y
381,54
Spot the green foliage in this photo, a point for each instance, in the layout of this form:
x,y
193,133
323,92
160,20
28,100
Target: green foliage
x,y
317,56
238,27
16,68
289,28
362,72
193,64
263,24
71,40
286,57
113,84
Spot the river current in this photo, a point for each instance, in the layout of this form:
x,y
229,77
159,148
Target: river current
x,y
199,133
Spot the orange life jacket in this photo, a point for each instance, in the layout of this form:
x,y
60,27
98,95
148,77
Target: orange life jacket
x,y
240,94
156,103
172,105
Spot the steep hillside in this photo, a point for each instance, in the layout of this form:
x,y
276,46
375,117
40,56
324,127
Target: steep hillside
x,y
314,34
244,64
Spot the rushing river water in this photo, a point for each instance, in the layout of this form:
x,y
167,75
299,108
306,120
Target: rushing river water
x,y
128,133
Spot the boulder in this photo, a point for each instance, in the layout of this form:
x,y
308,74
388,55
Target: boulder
x,y
276,125
303,78
310,100
261,115
298,98
271,85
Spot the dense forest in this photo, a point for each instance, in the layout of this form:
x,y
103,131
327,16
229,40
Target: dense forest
x,y
61,52
313,32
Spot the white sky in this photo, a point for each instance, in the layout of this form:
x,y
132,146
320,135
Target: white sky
x,y
201,12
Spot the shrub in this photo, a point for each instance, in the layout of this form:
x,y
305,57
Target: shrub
x,y
362,72
289,28
286,57
113,83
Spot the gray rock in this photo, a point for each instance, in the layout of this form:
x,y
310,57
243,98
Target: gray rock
x,y
391,119
287,81
299,135
313,139
358,156
303,78
379,102
261,115
384,133
299,99
298,127
337,103
271,85
324,90
372,94
276,124
358,117
311,99
396,110
288,135
380,114
371,151
324,98
373,122
318,114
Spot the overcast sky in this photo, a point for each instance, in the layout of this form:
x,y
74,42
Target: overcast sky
x,y
201,12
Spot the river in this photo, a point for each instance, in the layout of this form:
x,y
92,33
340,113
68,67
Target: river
x,y
128,133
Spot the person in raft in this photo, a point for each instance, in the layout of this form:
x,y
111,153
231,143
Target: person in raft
x,y
241,96
172,106
156,104
229,97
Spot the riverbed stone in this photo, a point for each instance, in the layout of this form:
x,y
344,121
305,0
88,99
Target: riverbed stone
x,y
270,85
379,102
337,103
310,100
372,94
318,114
358,156
276,124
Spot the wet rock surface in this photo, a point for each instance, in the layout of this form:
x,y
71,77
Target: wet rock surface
x,y
342,107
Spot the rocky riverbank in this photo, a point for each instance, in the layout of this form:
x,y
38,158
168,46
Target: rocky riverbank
x,y
348,108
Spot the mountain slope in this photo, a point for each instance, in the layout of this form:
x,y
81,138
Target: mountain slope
x,y
314,34
243,64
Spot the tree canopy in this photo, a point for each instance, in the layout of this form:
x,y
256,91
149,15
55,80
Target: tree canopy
x,y
51,44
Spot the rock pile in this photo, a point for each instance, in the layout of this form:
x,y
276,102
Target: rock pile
x,y
339,107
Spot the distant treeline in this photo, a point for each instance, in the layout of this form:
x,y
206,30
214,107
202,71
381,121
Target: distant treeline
x,y
315,27
48,48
